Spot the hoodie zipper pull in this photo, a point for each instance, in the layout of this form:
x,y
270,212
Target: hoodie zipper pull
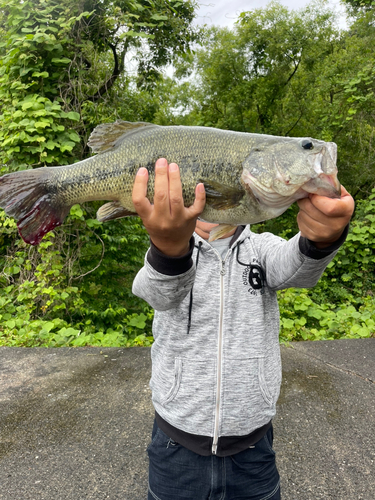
x,y
222,271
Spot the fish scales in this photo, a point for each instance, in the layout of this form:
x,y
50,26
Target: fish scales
x,y
113,172
248,177
201,153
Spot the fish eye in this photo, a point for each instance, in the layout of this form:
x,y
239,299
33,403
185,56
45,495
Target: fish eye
x,y
307,144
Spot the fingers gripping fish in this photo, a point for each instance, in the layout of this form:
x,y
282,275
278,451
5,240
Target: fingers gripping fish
x,y
248,178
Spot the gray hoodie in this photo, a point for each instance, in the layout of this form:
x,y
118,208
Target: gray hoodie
x,y
221,375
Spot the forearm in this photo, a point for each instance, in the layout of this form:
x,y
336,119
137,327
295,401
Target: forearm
x,y
295,263
165,281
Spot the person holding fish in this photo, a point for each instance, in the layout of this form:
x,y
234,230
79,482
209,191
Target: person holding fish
x,y
216,368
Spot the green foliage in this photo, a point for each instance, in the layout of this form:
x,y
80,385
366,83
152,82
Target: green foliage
x,y
62,59
39,305
37,52
295,73
358,6
354,267
62,72
342,305
304,319
257,77
287,73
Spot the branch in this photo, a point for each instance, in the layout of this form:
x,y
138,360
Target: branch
x,y
294,72
261,115
117,70
101,259
289,131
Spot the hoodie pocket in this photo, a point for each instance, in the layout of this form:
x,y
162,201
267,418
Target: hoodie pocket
x,y
263,384
171,394
245,382
248,395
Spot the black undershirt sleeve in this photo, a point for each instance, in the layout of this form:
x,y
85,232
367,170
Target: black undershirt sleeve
x,y
308,248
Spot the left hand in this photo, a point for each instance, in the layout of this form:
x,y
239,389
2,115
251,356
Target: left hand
x,y
168,222
323,220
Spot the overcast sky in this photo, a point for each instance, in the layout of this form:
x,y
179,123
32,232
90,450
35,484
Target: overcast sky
x,y
224,12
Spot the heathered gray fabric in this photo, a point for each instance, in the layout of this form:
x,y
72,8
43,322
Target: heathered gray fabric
x,y
222,246
185,366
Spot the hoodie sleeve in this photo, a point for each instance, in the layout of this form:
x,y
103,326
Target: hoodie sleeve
x,y
165,281
294,263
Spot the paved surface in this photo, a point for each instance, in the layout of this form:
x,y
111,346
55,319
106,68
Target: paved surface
x,y
325,426
75,423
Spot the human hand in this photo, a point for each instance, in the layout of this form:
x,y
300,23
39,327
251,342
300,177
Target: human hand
x,y
168,222
323,220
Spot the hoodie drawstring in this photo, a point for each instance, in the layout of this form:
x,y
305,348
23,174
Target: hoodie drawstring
x,y
191,291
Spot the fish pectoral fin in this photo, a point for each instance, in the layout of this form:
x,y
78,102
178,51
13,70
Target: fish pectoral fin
x,y
220,231
221,196
105,136
112,210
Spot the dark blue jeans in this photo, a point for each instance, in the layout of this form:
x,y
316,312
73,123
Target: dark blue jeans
x,y
176,473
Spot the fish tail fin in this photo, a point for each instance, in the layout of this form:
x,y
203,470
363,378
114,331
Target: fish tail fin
x,y
26,196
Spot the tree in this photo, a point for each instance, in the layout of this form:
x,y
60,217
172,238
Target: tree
x,y
63,70
59,58
349,75
356,6
292,73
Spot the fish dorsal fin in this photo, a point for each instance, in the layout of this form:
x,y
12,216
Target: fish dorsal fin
x,y
105,136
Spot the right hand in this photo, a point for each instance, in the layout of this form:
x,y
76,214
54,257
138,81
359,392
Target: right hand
x,y
168,222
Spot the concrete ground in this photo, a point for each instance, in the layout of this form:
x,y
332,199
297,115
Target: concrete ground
x,y
75,423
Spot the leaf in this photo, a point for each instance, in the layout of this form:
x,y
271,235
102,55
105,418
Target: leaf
x,y
76,212
93,223
25,71
27,105
43,74
41,124
72,115
315,313
51,144
158,17
48,326
10,323
73,136
132,34
62,60
287,323
66,332
363,332
138,320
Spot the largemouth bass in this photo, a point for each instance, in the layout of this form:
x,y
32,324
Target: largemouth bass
x,y
248,178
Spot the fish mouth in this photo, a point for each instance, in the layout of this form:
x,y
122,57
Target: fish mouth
x,y
324,185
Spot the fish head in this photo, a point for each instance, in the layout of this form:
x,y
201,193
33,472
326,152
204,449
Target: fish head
x,y
281,170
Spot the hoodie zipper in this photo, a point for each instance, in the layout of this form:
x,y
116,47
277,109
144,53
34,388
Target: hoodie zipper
x,y
219,360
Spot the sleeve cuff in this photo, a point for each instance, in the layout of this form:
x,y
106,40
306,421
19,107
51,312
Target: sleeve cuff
x,y
308,248
170,266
